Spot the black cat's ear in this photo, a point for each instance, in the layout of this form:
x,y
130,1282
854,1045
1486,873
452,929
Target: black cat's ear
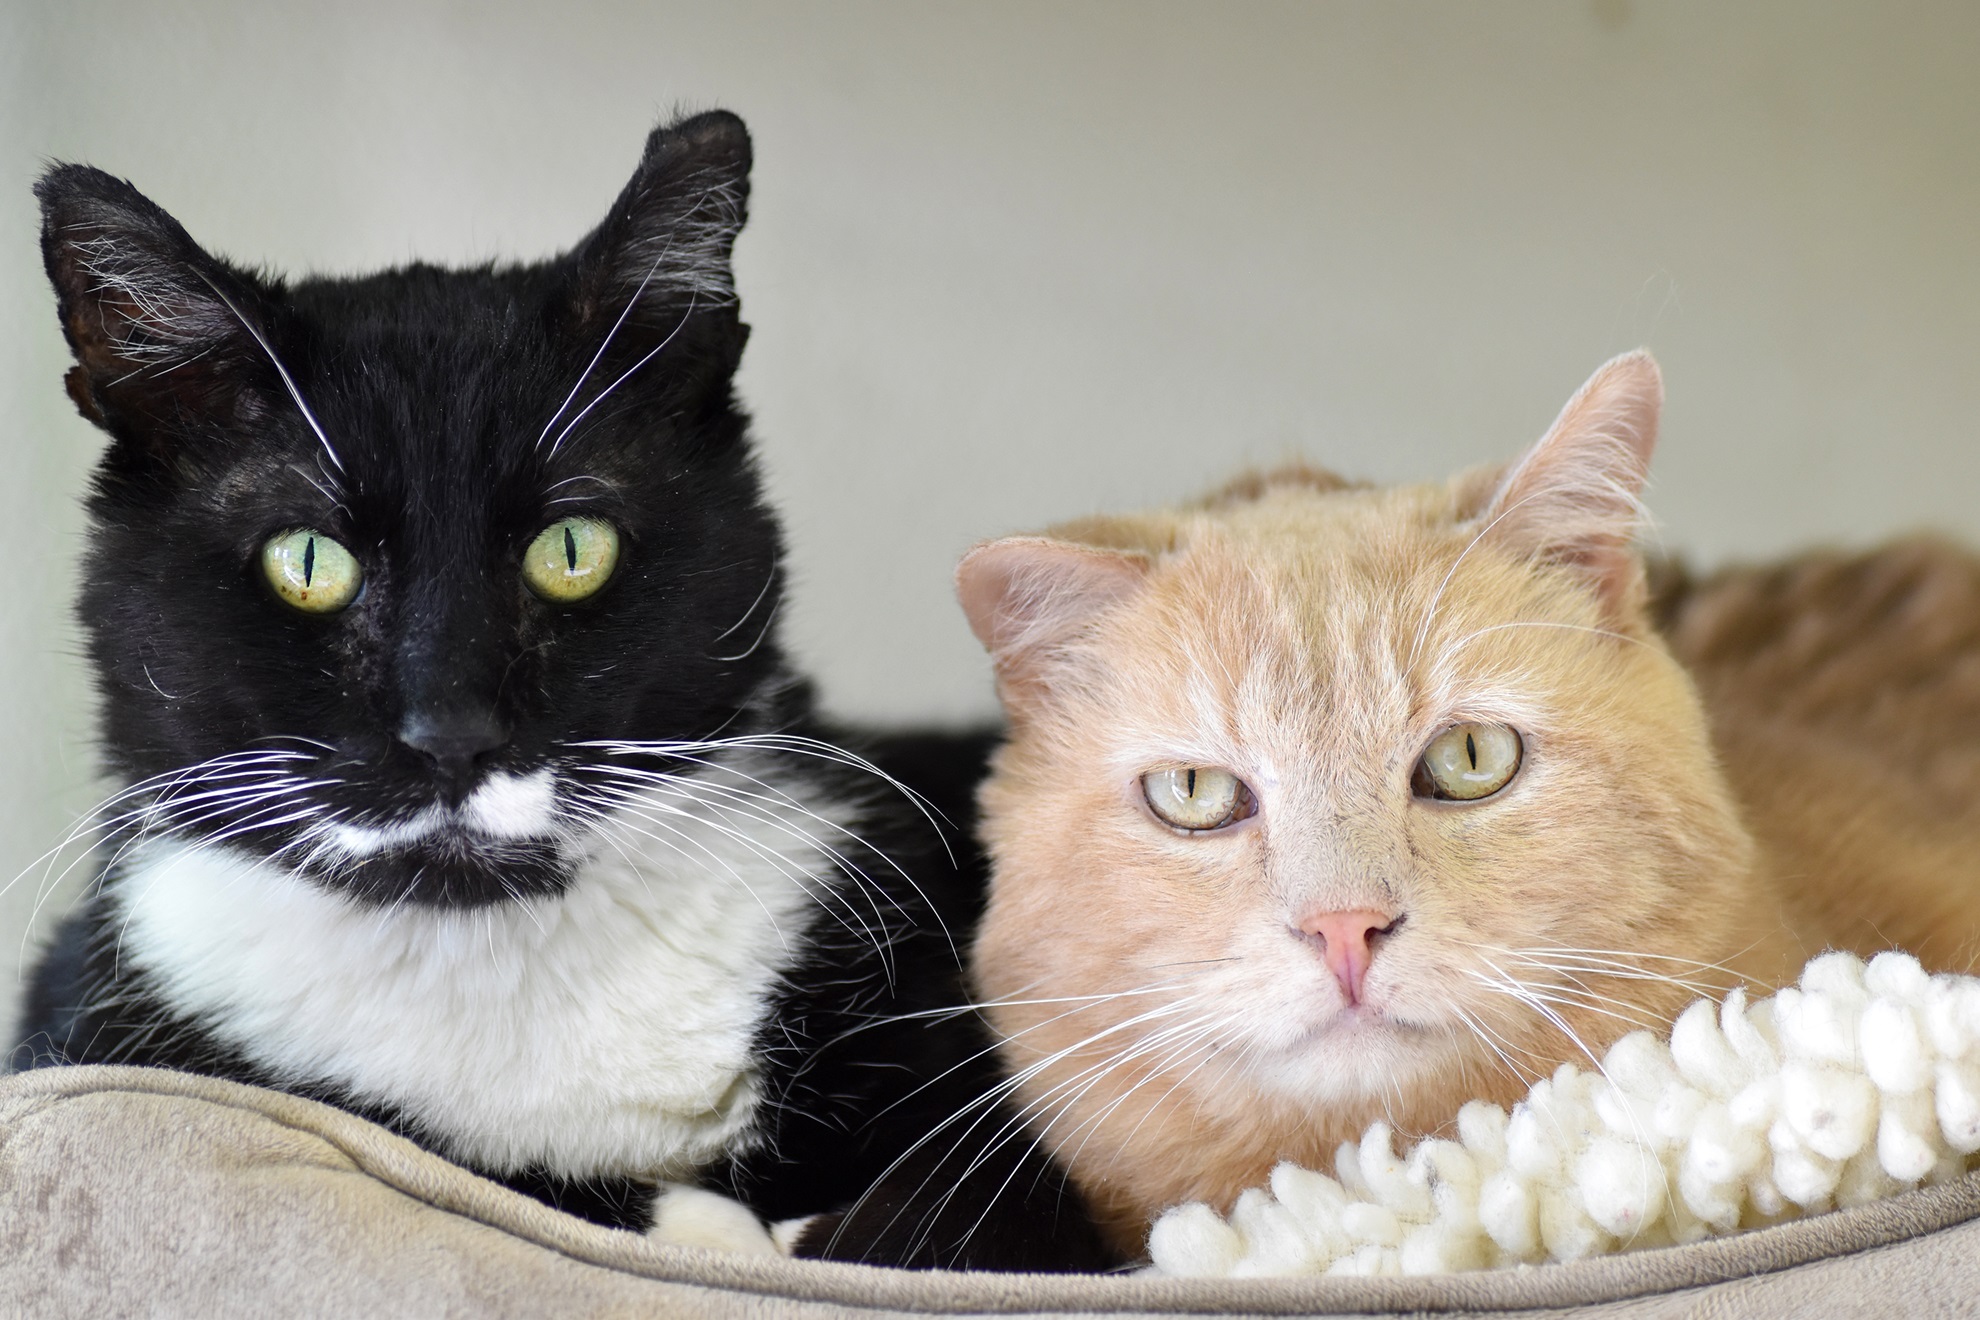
x,y
1029,597
1574,498
155,323
663,253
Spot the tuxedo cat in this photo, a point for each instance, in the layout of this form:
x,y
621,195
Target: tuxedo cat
x,y
463,782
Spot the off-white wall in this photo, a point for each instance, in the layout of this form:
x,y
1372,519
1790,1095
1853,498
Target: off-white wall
x,y
1014,262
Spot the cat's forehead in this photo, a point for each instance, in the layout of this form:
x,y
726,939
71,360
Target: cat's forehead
x,y
442,388
1329,618
425,347
422,303
1321,574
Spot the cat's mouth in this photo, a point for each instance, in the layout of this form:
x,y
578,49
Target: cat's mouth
x,y
503,810
1371,1020
506,840
1351,1021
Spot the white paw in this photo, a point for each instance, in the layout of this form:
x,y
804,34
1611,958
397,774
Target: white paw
x,y
691,1217
785,1232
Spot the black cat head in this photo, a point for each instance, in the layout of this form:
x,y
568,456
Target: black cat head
x,y
375,564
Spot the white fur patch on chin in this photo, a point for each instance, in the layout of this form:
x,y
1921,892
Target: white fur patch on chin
x,y
609,1029
693,1217
504,807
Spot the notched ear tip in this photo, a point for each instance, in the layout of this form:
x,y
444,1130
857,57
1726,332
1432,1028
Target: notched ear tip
x,y
670,235
713,139
708,154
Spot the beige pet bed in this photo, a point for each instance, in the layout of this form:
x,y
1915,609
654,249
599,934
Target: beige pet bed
x,y
133,1191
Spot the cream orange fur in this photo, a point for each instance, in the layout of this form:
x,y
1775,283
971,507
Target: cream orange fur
x,y
1173,1032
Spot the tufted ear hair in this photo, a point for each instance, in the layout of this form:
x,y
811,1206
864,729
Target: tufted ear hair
x,y
669,239
1027,597
161,331
1574,498
656,279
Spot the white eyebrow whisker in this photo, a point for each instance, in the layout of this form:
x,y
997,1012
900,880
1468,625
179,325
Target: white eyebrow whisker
x,y
288,381
592,365
624,376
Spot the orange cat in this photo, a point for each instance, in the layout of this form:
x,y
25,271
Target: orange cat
x,y
1324,804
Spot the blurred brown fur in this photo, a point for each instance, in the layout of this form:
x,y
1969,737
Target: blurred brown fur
x,y
1844,696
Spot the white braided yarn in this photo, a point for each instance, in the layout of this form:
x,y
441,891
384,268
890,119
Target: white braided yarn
x,y
1859,1082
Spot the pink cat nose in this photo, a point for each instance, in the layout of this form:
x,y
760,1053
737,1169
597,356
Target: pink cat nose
x,y
1347,942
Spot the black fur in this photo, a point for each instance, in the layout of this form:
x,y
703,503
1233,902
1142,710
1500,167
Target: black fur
x,y
445,435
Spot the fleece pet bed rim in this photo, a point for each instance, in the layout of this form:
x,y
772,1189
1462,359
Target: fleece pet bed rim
x,y
428,1179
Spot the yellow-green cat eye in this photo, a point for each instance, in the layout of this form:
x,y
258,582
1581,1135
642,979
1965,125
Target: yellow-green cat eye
x,y
1197,797
310,571
571,559
1467,762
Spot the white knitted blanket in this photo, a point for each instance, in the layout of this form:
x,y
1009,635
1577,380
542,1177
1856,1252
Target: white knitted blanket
x,y
1859,1082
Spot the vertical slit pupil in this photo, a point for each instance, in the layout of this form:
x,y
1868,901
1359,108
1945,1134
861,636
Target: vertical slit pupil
x,y
1471,750
1192,785
570,550
309,560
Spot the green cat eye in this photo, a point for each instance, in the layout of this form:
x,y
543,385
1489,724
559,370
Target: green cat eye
x,y
571,559
1197,798
310,571
1467,762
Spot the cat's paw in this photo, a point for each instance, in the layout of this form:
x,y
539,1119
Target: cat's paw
x,y
694,1217
789,1234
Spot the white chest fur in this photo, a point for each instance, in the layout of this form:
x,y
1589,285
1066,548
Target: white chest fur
x,y
607,1030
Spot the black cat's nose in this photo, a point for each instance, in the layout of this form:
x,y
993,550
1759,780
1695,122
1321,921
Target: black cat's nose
x,y
455,742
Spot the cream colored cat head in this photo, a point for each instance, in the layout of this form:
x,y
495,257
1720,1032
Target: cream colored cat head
x,y
1353,934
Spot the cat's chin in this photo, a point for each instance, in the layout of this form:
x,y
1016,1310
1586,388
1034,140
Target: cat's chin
x,y
1335,1056
1363,1031
1358,1021
450,873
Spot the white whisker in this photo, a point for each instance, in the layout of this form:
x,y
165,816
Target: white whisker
x,y
288,381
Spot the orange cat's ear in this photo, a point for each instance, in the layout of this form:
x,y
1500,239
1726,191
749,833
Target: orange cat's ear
x,y
1573,498
1026,596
